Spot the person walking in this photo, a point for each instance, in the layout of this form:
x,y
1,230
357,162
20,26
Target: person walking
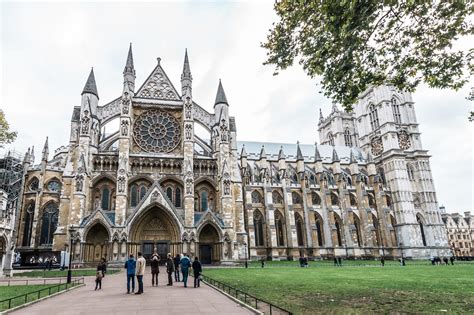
x,y
176,261
98,280
382,261
452,260
262,261
102,267
155,269
141,263
197,270
169,268
185,263
130,265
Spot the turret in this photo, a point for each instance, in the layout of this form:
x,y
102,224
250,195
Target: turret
x,y
281,160
318,161
354,166
243,158
32,155
90,101
129,73
186,77
263,158
299,159
370,165
45,153
336,165
221,106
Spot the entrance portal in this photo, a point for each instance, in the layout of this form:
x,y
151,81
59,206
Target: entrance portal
x,y
205,254
156,231
209,245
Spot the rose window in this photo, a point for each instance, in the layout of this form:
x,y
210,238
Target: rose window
x,y
156,131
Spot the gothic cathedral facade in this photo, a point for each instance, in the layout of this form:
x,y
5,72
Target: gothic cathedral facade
x,y
155,185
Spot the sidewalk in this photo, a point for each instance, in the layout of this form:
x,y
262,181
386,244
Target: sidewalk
x,y
113,299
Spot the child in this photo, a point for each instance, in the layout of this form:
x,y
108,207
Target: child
x,y
98,280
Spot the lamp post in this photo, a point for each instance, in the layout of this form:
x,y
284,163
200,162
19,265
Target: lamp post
x,y
246,262
69,271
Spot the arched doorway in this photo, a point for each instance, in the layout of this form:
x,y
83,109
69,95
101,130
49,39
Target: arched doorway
x,y
97,243
209,245
155,230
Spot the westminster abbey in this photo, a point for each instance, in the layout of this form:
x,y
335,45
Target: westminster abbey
x,y
364,191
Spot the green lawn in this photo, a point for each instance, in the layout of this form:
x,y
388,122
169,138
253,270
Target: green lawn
x,y
7,292
325,289
59,273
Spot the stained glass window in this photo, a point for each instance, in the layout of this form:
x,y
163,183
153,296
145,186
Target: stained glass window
x,y
49,224
157,131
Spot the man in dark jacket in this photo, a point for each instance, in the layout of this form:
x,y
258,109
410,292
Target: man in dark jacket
x,y
169,268
176,260
130,265
197,270
185,263
155,269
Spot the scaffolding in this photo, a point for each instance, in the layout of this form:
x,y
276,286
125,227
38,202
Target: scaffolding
x,y
11,179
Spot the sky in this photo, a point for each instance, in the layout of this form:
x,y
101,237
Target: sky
x,y
48,49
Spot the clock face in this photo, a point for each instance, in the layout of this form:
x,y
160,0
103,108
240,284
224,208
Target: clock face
x,y
157,131
377,146
404,140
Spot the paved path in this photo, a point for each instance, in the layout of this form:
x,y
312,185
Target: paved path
x,y
112,299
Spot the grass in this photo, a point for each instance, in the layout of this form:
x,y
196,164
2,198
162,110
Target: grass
x,y
356,290
59,273
18,291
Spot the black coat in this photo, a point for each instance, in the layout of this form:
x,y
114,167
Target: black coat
x,y
169,265
197,268
155,266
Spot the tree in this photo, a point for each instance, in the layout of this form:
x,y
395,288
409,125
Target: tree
x,y
353,44
6,136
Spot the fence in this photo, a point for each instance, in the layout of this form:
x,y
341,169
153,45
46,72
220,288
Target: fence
x,y
257,303
39,281
35,295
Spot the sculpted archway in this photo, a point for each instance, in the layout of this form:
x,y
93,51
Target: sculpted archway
x,y
155,230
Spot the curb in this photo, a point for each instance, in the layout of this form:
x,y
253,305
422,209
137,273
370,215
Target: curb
x,y
250,308
41,299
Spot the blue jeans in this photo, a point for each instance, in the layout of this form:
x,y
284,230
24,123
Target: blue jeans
x,y
185,272
140,283
132,278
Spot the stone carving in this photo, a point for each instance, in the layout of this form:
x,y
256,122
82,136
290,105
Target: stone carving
x,y
189,183
188,132
158,86
224,131
157,131
121,183
126,103
155,197
188,107
85,123
226,184
79,182
124,127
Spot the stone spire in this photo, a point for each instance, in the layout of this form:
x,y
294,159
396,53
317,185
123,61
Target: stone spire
x,y
369,158
299,155
32,154
263,154
220,97
321,117
129,68
352,158
90,86
243,153
317,155
26,159
281,154
45,154
186,69
335,158
334,108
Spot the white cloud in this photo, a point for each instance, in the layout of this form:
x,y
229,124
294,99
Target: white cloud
x,y
47,51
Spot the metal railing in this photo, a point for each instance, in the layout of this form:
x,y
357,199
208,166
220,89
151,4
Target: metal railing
x,y
39,281
37,294
251,300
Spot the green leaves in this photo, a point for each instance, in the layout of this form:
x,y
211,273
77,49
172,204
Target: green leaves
x,y
352,44
6,136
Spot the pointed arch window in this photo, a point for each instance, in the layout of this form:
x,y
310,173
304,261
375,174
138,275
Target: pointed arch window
x,y
334,199
133,196
277,198
169,193
105,202
296,198
299,230
34,184
422,229
204,200
411,173
196,202
177,197
347,138
374,117
396,111
319,229
330,139
49,223
258,228
375,222
338,233
353,200
142,191
28,226
256,197
279,229
356,221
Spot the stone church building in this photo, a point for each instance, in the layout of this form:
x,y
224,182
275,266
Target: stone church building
x,y
154,184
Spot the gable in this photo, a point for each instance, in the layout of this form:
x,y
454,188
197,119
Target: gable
x,y
158,86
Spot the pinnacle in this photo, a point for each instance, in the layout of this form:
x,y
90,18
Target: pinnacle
x,y
186,68
220,97
317,155
352,157
335,158
299,155
90,86
263,154
281,154
243,153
